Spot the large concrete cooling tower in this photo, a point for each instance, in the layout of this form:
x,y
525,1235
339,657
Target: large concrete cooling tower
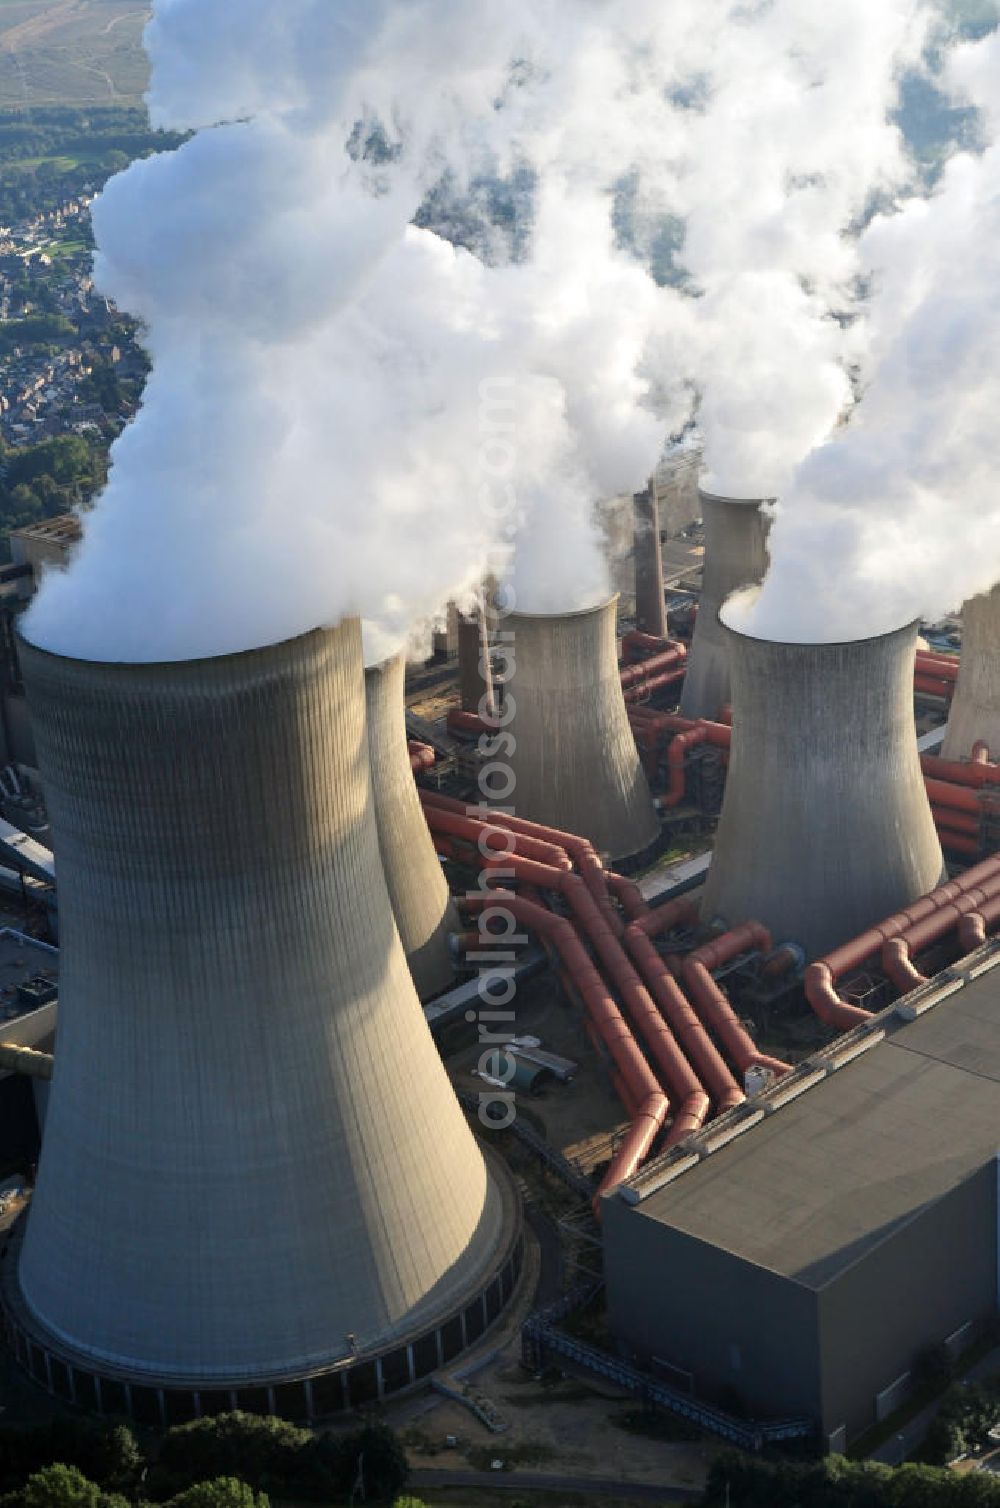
x,y
975,712
826,825
256,1188
735,556
417,887
574,764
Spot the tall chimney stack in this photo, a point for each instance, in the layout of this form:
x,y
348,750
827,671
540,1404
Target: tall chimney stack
x,y
650,607
975,711
254,1171
418,889
575,765
735,557
826,824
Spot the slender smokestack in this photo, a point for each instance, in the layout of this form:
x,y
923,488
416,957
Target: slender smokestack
x,y
474,670
254,1165
826,826
975,712
650,607
735,556
575,764
417,887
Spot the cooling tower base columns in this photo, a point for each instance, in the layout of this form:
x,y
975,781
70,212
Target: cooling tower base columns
x,y
463,1318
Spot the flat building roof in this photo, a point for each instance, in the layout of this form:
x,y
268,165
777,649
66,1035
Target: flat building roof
x,y
812,1188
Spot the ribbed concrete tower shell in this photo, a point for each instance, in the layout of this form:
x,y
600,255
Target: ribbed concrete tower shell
x,y
826,826
575,765
418,889
735,556
254,1165
975,711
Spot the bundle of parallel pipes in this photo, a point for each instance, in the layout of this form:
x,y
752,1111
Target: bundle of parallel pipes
x,y
968,907
675,1043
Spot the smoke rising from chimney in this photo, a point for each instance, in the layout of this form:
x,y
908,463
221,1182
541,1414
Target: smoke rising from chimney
x,y
898,515
311,443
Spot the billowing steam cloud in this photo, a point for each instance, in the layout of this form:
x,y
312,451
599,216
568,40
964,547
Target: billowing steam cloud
x,y
898,516
320,435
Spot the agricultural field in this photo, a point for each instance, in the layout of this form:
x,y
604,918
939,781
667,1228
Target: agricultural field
x,y
71,52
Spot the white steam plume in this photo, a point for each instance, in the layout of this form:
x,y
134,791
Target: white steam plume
x,y
898,516
312,438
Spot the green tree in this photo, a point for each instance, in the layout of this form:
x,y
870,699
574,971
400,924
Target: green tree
x,y
61,1486
224,1492
261,1452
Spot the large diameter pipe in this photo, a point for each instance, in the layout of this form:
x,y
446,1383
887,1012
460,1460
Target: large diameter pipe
x,y
574,764
820,831
975,710
677,1075
711,1002
822,976
643,1095
736,532
683,1020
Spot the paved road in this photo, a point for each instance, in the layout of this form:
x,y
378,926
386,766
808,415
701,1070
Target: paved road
x,y
523,1481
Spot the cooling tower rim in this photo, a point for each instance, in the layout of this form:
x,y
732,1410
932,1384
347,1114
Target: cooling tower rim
x,y
707,495
815,645
232,657
578,612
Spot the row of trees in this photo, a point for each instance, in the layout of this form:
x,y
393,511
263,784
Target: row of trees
x,y
839,1483
234,1461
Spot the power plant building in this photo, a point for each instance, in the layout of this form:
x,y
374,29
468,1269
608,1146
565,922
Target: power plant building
x,y
257,1188
813,1259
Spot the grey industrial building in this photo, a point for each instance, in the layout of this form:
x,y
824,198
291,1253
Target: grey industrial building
x,y
805,1265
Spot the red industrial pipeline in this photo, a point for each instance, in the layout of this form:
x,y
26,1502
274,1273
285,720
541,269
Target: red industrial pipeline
x,y
649,1103
422,757
634,694
821,977
711,1003
466,722
684,1021
897,952
579,850
645,670
636,644
944,667
974,928
493,842
977,773
678,1077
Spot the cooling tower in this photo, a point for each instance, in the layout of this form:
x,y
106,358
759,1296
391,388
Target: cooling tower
x,y
975,712
417,886
254,1169
735,556
826,824
650,606
575,765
